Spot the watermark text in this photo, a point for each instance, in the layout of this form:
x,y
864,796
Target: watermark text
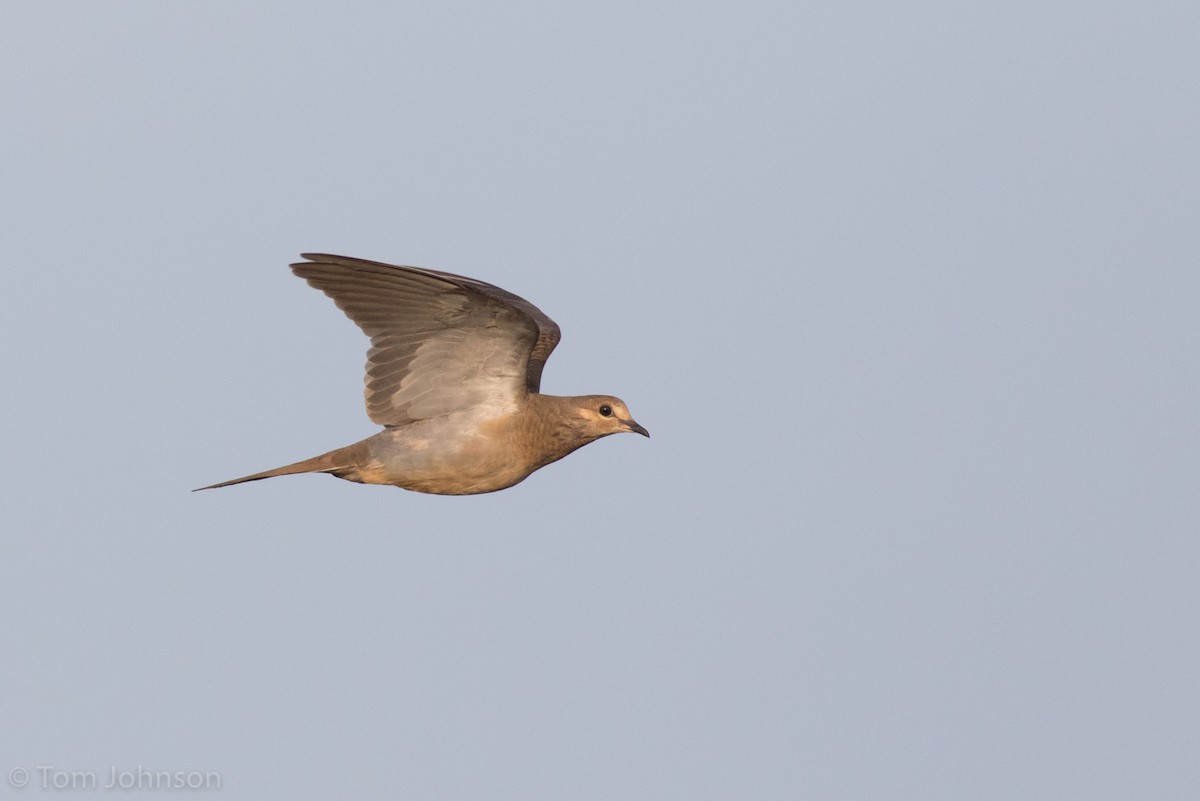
x,y
115,778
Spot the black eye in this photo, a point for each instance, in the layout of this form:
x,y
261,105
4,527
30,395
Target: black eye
x,y
605,410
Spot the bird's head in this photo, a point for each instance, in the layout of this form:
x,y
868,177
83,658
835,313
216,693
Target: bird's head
x,y
602,415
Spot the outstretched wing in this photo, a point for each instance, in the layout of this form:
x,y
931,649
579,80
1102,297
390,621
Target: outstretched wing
x,y
439,342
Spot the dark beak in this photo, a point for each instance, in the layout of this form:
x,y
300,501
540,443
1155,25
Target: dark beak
x,y
635,428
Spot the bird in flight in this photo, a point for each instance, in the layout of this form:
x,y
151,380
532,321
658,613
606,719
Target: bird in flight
x,y
454,377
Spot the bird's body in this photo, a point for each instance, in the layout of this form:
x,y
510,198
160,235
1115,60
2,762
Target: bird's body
x,y
453,374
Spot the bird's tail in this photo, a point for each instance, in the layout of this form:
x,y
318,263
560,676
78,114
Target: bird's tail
x,y
333,462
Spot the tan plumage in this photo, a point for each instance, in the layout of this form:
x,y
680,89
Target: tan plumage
x,y
453,373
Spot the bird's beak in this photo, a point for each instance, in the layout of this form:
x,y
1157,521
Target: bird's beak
x,y
635,428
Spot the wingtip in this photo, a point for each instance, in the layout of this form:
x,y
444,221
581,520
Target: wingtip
x,y
309,259
336,259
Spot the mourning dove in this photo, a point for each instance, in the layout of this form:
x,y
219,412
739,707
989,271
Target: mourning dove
x,y
453,375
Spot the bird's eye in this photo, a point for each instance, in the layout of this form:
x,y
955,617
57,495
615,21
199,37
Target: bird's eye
x,y
605,410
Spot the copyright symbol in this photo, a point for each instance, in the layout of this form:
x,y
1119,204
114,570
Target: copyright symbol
x,y
18,777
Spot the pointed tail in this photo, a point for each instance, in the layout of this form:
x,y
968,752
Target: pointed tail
x,y
332,462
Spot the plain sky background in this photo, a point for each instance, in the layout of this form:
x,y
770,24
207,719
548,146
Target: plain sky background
x,y
907,295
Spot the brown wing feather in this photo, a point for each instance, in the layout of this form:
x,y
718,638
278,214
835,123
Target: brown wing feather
x,y
439,342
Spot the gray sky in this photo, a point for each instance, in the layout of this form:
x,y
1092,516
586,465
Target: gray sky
x,y
906,294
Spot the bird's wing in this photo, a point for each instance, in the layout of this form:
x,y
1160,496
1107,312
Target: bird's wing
x,y
439,342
